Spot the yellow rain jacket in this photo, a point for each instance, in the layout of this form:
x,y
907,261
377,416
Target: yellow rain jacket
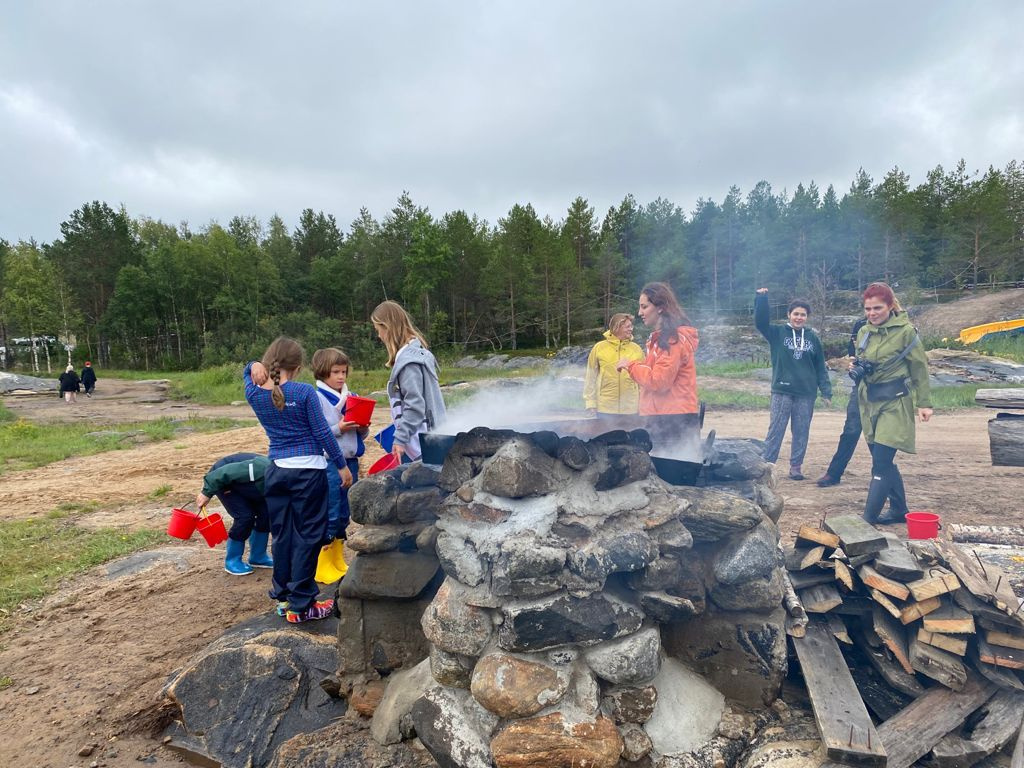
x,y
608,390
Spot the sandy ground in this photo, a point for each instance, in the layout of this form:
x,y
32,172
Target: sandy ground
x,y
87,665
947,320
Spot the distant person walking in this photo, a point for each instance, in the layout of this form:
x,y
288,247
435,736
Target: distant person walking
x,y
608,390
414,389
70,384
891,371
88,379
798,372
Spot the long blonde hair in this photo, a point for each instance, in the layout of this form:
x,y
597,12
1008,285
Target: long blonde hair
x,y
396,328
286,355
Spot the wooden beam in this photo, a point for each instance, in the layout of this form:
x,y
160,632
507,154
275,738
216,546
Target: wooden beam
x,y
987,534
888,669
799,558
985,581
1003,715
893,637
1004,678
1006,639
1006,440
843,722
939,581
838,629
1011,658
913,732
940,666
987,612
954,751
811,535
949,619
856,536
810,577
820,599
886,586
896,562
914,611
843,574
1017,760
950,643
896,611
1010,397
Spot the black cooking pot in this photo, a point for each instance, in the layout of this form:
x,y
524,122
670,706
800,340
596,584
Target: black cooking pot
x,y
676,472
435,446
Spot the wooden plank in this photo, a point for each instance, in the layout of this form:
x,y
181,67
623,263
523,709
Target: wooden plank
x,y
987,534
986,611
799,558
810,577
1006,639
949,619
1010,397
950,643
893,636
838,629
896,562
1011,658
855,605
843,574
954,751
940,666
1006,441
812,535
894,610
913,732
888,668
886,586
986,581
820,599
1017,760
1004,678
1003,715
843,721
939,581
856,536
914,611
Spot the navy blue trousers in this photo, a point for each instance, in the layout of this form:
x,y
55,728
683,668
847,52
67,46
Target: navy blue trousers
x,y
297,502
338,514
847,440
248,509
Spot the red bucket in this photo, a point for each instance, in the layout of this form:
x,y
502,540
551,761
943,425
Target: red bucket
x,y
182,524
359,409
923,525
383,464
212,528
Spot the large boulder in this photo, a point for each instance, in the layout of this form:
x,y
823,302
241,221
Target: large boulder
x,y
553,741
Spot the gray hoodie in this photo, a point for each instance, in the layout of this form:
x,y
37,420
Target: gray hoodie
x,y
415,396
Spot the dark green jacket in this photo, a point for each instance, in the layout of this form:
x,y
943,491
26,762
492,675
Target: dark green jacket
x,y
249,469
892,422
798,367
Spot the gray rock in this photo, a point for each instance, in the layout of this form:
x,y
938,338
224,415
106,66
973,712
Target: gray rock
x,y
405,687
574,453
519,469
622,552
712,515
373,500
626,464
665,608
454,626
746,556
460,560
629,660
661,573
16,382
451,669
761,594
419,504
426,541
563,619
396,575
374,539
629,704
635,742
738,459
528,555
454,728
673,538
741,654
420,475
278,697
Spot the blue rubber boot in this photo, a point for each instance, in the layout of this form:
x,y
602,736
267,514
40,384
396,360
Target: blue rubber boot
x,y
233,560
258,556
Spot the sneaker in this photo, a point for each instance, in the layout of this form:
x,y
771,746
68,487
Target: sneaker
x,y
282,608
794,474
827,481
321,609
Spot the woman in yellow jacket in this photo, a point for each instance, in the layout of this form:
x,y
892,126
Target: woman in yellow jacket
x,y
606,390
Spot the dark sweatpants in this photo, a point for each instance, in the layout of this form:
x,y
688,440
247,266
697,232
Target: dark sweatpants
x,y
297,502
847,440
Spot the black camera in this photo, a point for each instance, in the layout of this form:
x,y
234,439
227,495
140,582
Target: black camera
x,y
861,368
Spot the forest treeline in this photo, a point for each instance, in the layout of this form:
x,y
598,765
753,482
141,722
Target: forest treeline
x,y
139,292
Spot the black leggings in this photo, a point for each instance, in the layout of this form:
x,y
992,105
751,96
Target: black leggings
x,y
882,457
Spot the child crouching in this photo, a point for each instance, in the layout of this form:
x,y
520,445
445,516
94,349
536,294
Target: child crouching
x,y
237,481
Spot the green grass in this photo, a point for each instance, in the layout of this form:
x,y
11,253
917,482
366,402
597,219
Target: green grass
x,y
6,415
159,493
737,369
38,553
24,445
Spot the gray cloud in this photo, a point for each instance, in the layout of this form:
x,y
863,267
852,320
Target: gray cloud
x,y
202,111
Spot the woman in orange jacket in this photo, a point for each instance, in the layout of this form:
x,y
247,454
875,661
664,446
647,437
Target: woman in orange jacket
x,y
667,376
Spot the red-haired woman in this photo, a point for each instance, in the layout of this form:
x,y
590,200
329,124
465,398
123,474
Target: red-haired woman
x,y
891,371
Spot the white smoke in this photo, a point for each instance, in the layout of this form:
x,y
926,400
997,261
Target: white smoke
x,y
509,403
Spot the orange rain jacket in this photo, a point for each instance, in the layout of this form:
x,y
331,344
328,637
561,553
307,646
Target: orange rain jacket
x,y
668,377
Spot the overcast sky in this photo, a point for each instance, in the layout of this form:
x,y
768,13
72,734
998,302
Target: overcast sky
x,y
199,111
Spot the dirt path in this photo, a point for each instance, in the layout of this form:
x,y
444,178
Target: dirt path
x,y
88,664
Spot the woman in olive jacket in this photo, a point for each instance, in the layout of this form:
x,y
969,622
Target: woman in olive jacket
x,y
894,385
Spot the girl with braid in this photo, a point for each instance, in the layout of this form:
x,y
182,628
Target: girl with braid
x,y
295,484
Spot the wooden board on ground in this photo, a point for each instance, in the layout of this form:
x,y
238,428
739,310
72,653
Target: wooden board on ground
x,y
889,669
937,664
1003,716
913,732
820,599
883,584
1017,760
843,721
1005,639
1011,658
893,636
856,536
1011,397
799,558
986,582
855,605
954,751
914,611
987,534
812,535
810,578
949,619
896,562
1006,440
950,643
938,581
1002,677
987,612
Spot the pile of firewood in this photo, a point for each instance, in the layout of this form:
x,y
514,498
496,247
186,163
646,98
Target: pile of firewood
x,y
934,637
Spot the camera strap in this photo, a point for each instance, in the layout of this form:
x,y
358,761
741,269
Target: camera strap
x,y
888,365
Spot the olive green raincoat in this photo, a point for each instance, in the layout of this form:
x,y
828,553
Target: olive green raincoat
x,y
892,422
